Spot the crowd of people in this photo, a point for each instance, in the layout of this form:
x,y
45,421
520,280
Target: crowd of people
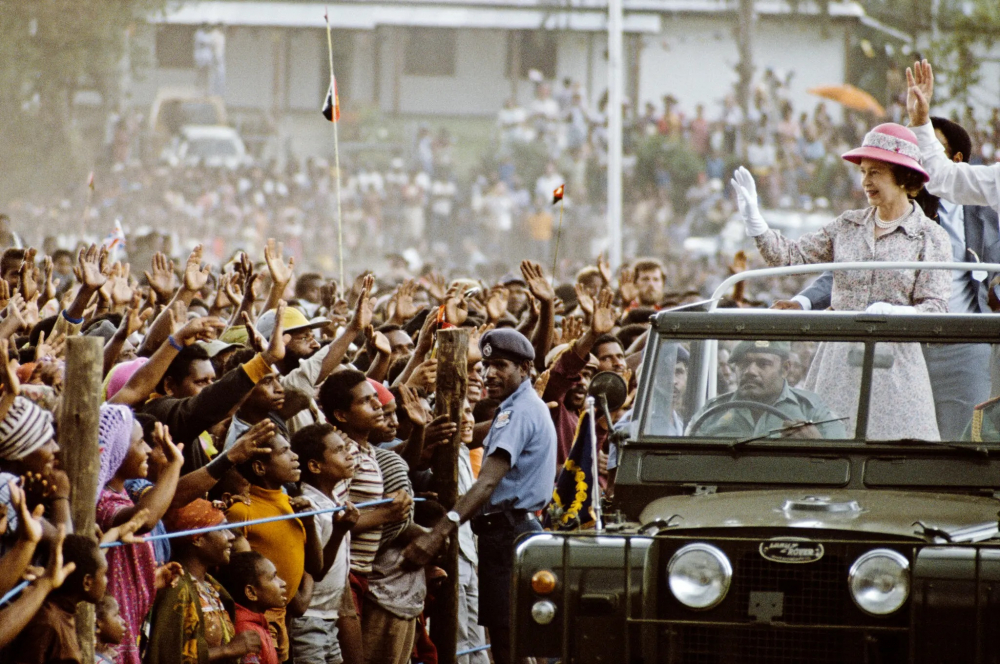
x,y
266,491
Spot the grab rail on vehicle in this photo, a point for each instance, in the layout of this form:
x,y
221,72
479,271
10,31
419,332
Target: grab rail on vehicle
x,y
707,378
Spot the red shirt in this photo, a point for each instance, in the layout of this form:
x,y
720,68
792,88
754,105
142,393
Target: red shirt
x,y
248,620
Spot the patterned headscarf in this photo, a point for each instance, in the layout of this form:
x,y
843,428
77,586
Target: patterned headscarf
x,y
199,513
24,429
114,432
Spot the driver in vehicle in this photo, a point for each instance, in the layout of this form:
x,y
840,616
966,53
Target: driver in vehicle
x,y
762,371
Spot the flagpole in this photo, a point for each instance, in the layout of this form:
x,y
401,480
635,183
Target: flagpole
x,y
555,256
595,488
336,151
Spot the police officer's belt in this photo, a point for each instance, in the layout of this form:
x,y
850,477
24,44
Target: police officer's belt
x,y
500,520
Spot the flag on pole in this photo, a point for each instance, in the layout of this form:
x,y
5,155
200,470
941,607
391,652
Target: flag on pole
x,y
557,195
572,503
331,107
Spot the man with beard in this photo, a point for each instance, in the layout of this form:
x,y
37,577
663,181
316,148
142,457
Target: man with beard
x,y
643,285
515,482
762,371
306,365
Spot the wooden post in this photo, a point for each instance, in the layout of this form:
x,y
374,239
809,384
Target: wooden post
x,y
452,383
80,454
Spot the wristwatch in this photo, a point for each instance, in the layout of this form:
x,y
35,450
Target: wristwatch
x,y
454,517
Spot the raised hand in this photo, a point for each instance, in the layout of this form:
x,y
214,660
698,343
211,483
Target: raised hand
x,y
29,522
55,571
746,197
121,292
365,307
584,298
425,375
456,309
255,442
135,317
440,431
496,303
29,274
5,293
195,276
92,269
603,320
162,439
161,277
275,351
403,297
604,268
436,285
919,92
626,285
16,310
281,273
376,343
539,286
125,533
51,348
204,328
411,405
572,329
49,290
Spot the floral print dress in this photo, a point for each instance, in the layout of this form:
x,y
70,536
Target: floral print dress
x,y
902,404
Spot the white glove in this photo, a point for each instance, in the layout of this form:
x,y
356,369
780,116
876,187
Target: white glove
x,y
746,198
886,309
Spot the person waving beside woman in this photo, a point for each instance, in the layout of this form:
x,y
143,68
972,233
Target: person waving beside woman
x,y
892,228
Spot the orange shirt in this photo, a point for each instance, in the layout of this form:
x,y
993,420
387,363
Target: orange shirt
x,y
281,542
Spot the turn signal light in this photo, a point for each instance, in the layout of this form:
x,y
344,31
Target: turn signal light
x,y
543,582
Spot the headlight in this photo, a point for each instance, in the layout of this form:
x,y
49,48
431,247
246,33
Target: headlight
x,y
880,581
543,612
699,575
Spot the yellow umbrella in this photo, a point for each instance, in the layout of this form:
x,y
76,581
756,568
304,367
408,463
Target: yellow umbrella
x,y
851,97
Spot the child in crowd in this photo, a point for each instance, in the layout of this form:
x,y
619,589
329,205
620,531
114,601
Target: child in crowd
x,y
50,637
253,582
110,630
131,569
327,467
291,544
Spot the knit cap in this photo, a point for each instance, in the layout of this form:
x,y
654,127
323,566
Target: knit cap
x,y
24,429
120,374
114,433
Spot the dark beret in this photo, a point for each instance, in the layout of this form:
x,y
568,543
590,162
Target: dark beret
x,y
506,344
780,348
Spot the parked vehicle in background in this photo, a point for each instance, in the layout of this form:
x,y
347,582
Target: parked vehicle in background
x,y
212,146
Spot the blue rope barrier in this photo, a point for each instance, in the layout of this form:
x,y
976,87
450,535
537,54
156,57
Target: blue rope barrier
x,y
251,522
14,592
472,650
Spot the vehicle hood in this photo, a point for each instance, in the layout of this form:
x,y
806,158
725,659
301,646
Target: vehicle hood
x,y
921,516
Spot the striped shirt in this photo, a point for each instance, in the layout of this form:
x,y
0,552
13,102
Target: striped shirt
x,y
366,486
395,476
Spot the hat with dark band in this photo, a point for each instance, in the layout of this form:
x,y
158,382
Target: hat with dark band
x,y
780,348
506,344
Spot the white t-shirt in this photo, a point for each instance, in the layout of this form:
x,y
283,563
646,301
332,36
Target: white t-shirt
x,y
328,592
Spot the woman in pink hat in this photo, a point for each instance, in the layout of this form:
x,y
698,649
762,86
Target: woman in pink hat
x,y
892,228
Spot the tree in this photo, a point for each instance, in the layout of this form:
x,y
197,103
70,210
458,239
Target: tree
x,y
52,49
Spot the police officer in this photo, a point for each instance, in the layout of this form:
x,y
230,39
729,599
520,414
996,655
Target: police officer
x,y
762,368
515,481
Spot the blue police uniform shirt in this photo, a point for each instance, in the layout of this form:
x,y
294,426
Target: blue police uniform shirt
x,y
523,428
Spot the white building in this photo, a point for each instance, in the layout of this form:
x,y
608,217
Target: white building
x,y
455,57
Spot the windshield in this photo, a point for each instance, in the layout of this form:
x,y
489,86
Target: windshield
x,y
834,390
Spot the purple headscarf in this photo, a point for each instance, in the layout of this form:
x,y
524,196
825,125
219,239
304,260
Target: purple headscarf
x,y
115,436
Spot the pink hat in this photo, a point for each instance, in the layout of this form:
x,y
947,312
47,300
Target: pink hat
x,y
384,395
120,373
891,143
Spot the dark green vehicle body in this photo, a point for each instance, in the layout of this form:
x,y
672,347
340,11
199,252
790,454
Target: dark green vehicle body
x,y
792,517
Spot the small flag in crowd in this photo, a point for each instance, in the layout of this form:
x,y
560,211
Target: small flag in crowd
x,y
331,107
557,195
572,504
115,241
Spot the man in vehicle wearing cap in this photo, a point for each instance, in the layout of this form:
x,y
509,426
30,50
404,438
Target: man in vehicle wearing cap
x,y
762,368
515,481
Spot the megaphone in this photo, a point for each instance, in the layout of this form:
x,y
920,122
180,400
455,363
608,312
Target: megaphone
x,y
611,386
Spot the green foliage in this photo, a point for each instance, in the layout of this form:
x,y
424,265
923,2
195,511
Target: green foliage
x,y
52,49
656,155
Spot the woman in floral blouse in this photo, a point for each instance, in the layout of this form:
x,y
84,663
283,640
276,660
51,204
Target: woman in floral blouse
x,y
893,228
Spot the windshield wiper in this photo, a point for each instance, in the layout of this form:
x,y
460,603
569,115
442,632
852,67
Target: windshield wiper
x,y
978,450
785,429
